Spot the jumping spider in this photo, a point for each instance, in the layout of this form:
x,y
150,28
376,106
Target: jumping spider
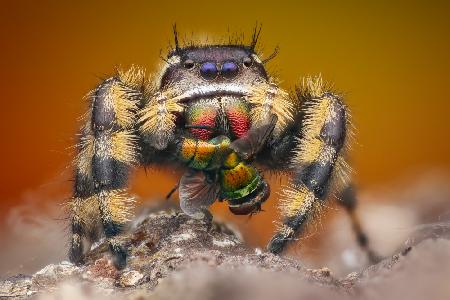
x,y
216,112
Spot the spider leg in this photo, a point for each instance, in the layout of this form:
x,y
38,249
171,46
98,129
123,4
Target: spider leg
x,y
173,190
107,150
314,145
348,200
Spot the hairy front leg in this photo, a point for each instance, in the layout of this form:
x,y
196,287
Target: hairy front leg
x,y
316,159
106,151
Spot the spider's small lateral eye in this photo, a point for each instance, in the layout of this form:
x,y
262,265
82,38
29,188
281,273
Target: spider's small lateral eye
x,y
189,64
247,61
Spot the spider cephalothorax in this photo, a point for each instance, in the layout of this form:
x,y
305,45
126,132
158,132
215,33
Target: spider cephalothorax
x,y
214,111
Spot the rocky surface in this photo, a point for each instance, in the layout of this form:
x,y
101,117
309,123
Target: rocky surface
x,y
174,257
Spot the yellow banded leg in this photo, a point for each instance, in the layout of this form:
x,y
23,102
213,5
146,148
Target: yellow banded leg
x,y
107,150
322,136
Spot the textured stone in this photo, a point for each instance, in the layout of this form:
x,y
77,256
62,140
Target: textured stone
x,y
172,256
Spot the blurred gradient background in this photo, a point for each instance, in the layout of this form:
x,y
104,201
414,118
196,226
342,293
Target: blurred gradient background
x,y
389,58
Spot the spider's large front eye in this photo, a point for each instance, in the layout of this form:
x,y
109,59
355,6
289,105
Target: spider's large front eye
x,y
208,70
189,64
229,69
247,61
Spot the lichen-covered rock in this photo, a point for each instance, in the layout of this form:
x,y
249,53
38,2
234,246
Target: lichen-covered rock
x,y
172,256
15,287
52,274
130,278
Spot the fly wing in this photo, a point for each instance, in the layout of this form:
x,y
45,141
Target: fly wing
x,y
251,143
196,193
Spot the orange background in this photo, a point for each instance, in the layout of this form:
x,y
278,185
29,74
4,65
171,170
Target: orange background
x,y
390,59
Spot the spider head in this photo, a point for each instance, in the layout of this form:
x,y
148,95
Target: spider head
x,y
213,71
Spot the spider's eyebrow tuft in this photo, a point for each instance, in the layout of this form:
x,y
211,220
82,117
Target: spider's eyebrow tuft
x,y
271,56
255,37
175,36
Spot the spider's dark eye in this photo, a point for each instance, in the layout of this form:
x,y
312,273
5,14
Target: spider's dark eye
x,y
247,61
229,69
209,70
189,64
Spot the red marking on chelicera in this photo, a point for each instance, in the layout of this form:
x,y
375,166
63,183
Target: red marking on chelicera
x,y
206,119
239,122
